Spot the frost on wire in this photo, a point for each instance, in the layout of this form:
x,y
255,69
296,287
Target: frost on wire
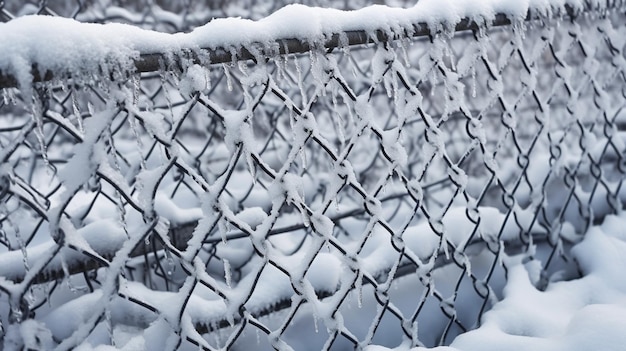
x,y
339,197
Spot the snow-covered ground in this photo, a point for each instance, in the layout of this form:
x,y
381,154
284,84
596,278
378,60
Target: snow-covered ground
x,y
380,196
587,313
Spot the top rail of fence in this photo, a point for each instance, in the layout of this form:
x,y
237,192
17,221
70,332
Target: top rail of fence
x,y
348,28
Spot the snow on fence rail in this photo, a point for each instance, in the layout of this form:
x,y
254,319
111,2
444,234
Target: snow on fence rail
x,y
299,191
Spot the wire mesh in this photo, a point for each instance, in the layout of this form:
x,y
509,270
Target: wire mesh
x,y
328,200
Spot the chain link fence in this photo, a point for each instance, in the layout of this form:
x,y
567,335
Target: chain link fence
x,y
331,199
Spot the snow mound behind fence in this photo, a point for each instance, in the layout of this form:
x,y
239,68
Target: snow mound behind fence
x,y
317,179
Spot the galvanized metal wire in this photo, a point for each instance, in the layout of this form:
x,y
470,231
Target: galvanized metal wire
x,y
347,196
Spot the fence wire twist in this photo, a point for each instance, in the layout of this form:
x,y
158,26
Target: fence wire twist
x,y
328,200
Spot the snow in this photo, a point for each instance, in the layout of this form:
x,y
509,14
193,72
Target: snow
x,y
68,47
86,158
548,317
101,236
580,314
195,79
251,269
